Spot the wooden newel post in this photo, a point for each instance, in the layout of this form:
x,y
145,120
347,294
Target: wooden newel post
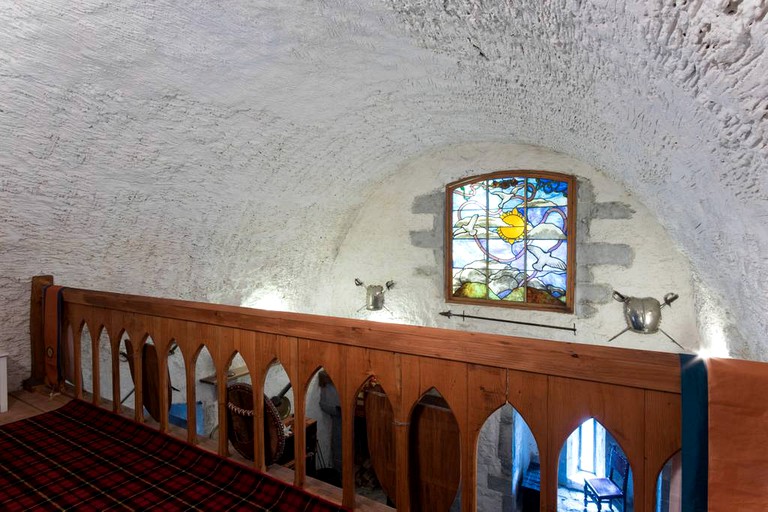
x,y
37,375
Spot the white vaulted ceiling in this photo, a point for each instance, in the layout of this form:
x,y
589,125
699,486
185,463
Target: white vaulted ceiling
x,y
206,150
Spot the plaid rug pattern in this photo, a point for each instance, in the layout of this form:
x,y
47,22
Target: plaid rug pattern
x,y
81,457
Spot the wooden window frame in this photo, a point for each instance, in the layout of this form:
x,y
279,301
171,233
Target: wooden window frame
x,y
568,306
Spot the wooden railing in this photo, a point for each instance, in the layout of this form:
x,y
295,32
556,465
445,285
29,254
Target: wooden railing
x,y
555,386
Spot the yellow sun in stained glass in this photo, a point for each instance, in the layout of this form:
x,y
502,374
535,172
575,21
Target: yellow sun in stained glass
x,y
515,226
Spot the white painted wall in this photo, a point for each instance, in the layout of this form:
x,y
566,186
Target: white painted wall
x,y
221,151
378,247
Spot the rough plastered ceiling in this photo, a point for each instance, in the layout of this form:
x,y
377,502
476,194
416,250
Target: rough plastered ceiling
x,y
208,150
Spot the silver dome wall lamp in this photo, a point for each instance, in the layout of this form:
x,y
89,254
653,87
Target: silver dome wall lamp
x,y
374,295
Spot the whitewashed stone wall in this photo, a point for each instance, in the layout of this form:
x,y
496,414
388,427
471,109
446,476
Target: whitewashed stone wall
x,y
505,449
397,235
221,152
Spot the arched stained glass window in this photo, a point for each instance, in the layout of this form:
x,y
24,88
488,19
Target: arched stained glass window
x,y
510,240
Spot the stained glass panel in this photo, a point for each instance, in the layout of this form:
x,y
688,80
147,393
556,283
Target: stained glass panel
x,y
546,223
469,253
509,239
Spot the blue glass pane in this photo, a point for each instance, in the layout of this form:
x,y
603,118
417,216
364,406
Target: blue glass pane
x,y
546,223
547,256
469,224
476,201
547,191
546,269
512,255
469,252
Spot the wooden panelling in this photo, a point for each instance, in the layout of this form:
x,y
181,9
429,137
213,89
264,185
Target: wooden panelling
x,y
619,409
312,357
191,383
115,361
385,367
39,283
220,342
95,361
245,343
162,336
286,350
637,368
554,386
435,456
409,395
360,365
662,437
77,327
449,378
486,392
529,394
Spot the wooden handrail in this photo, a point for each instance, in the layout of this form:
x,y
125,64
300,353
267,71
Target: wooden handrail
x,y
554,385
628,367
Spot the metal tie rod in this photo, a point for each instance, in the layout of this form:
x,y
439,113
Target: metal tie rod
x,y
532,324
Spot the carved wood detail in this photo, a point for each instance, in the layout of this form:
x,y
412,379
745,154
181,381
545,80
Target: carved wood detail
x,y
553,385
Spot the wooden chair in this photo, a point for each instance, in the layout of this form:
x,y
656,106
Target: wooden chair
x,y
614,487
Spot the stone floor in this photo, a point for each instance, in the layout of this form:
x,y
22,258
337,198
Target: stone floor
x,y
569,500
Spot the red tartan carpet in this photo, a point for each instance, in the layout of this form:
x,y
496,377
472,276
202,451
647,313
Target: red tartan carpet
x,y
81,457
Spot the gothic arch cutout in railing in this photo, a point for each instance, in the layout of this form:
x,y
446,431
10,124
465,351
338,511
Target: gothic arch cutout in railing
x,y
593,469
553,385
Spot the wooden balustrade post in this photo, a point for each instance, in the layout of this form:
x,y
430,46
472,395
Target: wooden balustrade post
x,y
78,360
138,381
299,431
258,425
162,367
116,393
551,384
96,368
402,463
348,450
37,341
189,370
468,471
221,391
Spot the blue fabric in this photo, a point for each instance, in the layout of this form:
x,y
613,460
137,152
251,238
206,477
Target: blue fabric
x,y
695,431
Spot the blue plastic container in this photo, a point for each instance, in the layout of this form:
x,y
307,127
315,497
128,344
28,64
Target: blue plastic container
x,y
177,415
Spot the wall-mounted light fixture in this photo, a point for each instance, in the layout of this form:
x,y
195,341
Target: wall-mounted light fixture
x,y
374,295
